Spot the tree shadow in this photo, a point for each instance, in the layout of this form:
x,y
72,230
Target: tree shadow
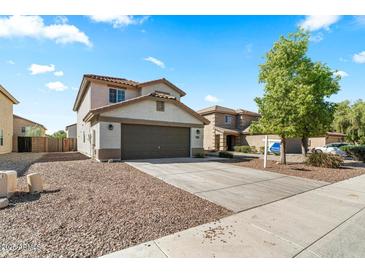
x,y
26,197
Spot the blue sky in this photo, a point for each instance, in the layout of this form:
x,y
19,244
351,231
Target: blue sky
x,y
213,58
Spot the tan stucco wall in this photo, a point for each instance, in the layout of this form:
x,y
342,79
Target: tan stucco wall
x,y
72,131
100,94
146,110
6,123
160,87
84,147
209,136
19,123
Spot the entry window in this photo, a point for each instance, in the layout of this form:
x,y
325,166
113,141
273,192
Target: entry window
x,y
160,106
227,119
1,137
116,95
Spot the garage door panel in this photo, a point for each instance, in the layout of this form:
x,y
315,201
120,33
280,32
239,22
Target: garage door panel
x,y
142,142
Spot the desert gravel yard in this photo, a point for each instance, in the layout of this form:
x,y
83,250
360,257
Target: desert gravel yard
x,y
18,161
90,209
301,170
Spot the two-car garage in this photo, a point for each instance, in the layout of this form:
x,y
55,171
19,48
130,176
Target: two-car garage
x,y
149,141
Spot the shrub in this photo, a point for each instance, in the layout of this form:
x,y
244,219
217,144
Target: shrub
x,y
225,154
356,152
262,150
243,149
324,160
199,155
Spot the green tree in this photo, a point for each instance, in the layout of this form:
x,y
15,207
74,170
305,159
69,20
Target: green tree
x,y
350,119
59,134
342,121
295,88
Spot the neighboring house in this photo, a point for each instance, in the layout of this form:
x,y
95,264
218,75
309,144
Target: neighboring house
x,y
6,120
229,127
330,137
71,131
123,119
27,128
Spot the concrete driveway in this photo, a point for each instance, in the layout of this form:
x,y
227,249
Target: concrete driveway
x,y
324,222
235,188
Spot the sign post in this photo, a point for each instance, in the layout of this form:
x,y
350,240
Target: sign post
x,y
265,151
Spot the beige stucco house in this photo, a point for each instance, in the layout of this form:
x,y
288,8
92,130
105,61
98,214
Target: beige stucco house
x,y
123,119
6,120
71,131
26,128
328,138
230,127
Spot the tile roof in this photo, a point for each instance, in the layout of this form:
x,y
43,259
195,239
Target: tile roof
x,y
221,109
114,80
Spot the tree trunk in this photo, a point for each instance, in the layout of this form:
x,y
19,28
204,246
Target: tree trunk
x,y
304,146
283,151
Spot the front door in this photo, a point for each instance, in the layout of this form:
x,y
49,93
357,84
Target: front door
x,y
230,142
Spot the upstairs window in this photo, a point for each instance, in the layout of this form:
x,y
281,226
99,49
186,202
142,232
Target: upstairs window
x,y
23,129
227,119
116,95
160,106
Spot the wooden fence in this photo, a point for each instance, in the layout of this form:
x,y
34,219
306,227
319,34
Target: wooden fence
x,y
43,144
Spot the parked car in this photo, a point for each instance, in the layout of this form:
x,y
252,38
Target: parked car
x,y
333,148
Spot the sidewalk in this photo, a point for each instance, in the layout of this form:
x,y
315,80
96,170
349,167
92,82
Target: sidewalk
x,y
325,222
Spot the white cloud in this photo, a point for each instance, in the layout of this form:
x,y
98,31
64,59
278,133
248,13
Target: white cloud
x,y
211,99
58,86
119,21
10,62
58,73
316,38
341,73
39,69
155,61
360,20
317,22
359,57
34,27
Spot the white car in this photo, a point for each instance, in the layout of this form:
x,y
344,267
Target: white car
x,y
333,148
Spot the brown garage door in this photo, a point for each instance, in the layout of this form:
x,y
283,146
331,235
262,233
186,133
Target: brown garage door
x,y
147,142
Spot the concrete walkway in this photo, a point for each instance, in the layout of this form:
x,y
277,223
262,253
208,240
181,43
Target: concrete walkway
x,y
233,187
324,222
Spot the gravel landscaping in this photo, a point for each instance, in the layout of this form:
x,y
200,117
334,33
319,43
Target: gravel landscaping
x,y
351,169
90,209
18,161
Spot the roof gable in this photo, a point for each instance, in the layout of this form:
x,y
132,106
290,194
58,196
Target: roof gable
x,y
152,96
87,78
8,95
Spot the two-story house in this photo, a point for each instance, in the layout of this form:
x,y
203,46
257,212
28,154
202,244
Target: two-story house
x,y
6,120
227,127
123,119
26,128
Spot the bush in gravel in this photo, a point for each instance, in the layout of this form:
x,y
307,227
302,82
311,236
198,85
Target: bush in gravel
x,y
199,155
356,152
262,150
244,149
225,154
324,160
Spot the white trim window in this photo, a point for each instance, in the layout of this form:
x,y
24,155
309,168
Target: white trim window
x,y
228,119
116,95
1,137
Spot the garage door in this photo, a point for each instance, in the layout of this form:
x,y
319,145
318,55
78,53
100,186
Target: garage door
x,y
147,142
